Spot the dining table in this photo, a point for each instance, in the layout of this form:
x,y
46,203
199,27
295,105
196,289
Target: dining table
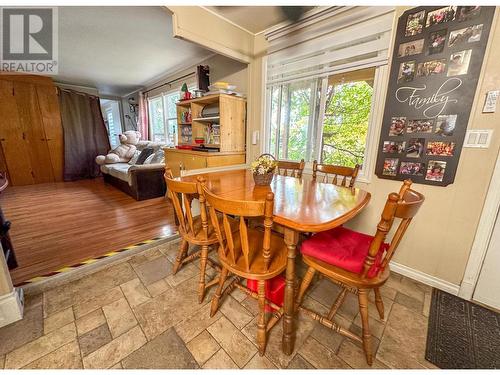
x,y
300,205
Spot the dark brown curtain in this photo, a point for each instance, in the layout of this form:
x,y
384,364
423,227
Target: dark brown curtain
x,y
85,135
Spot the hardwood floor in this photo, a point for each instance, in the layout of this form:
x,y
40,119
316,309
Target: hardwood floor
x,y
59,224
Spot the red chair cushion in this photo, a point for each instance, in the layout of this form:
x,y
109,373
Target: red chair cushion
x,y
343,248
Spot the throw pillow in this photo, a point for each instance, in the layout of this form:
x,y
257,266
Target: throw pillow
x,y
158,157
144,155
149,158
134,158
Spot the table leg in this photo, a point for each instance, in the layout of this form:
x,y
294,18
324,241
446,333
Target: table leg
x,y
291,239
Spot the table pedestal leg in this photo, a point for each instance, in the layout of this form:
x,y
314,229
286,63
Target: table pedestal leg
x,y
291,239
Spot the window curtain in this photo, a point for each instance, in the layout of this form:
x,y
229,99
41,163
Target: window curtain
x,y
143,123
85,135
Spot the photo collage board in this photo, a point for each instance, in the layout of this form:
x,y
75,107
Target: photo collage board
x,y
437,59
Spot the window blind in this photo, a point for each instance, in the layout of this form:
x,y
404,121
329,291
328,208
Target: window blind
x,y
332,40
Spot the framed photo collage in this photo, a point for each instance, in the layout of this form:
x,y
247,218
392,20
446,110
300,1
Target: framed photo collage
x,y
436,63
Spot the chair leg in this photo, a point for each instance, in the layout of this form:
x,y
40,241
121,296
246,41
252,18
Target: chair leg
x,y
181,254
261,325
338,302
215,299
379,303
367,337
203,267
306,281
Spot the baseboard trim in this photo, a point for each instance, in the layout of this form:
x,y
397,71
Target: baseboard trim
x,y
425,278
11,307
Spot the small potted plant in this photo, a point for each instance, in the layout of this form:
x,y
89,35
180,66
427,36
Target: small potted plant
x,y
263,169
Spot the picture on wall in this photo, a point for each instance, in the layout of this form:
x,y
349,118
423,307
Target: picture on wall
x,y
412,169
445,124
470,34
390,167
440,148
397,126
467,13
459,63
435,170
415,147
441,15
406,71
411,48
392,147
437,57
415,23
432,67
420,126
437,41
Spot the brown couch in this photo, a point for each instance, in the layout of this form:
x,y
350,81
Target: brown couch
x,y
139,181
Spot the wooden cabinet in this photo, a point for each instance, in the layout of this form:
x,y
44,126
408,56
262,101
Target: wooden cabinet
x,y
31,136
187,159
228,133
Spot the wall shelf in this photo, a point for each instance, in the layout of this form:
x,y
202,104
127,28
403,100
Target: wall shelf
x,y
207,119
229,124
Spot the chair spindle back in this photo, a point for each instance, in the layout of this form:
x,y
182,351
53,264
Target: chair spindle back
x,y
339,174
290,168
403,205
182,195
235,244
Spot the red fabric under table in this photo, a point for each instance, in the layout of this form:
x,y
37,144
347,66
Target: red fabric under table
x,y
275,290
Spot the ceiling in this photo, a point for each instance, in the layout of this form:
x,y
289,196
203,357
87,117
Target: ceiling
x,y
118,49
252,18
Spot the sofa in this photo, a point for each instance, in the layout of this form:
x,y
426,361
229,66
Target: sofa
x,y
140,181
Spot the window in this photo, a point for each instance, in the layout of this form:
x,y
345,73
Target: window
x,y
163,118
345,121
156,120
293,120
322,118
322,78
110,110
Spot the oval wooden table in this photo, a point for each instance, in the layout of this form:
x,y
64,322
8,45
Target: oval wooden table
x,y
300,205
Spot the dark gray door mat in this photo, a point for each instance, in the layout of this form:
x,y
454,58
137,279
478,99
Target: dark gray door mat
x,y
461,334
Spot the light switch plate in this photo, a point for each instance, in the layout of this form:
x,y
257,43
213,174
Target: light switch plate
x,y
478,138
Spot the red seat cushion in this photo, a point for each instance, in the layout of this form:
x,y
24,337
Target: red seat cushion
x,y
343,248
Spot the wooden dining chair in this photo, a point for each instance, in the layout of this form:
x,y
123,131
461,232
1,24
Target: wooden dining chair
x,y
191,229
357,262
336,174
247,253
290,168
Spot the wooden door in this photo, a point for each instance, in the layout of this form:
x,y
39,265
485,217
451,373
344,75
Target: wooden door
x,y
12,138
31,124
51,120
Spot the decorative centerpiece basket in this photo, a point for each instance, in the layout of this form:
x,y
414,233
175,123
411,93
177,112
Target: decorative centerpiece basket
x,y
263,169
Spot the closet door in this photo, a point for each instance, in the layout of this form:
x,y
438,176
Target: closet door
x,y
12,138
51,119
31,124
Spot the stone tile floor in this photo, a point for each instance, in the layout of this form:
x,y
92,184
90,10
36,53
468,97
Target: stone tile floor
x,y
136,314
